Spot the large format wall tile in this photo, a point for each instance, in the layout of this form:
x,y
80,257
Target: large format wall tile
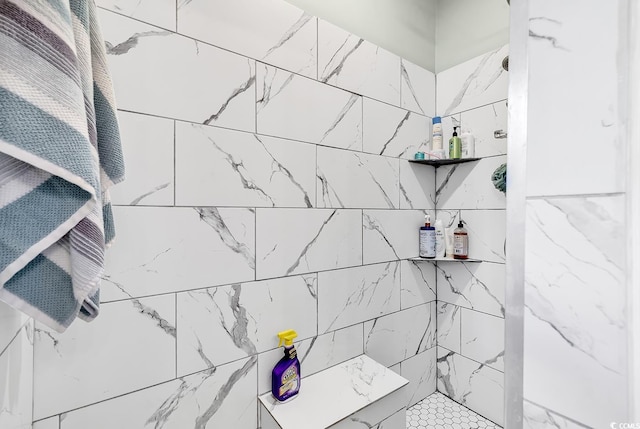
x,y
226,323
393,338
575,305
482,338
149,178
482,123
315,354
50,423
421,372
157,12
476,286
418,89
294,107
417,283
388,235
354,295
294,241
11,323
448,331
349,62
163,250
486,229
568,130
391,131
356,180
536,417
272,31
16,371
224,397
417,186
469,185
471,384
474,83
218,167
162,73
129,347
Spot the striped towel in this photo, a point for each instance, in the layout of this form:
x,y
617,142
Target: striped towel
x,y
59,154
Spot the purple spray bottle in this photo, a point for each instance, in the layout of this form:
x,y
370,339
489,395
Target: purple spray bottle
x,y
285,377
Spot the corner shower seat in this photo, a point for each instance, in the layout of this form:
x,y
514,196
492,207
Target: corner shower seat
x,y
357,393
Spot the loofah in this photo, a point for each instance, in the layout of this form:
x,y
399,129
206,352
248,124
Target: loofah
x,y
499,178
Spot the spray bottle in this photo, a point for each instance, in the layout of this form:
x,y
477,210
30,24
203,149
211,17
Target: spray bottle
x,y
285,377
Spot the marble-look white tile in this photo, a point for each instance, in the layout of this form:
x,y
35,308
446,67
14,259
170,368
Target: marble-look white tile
x,y
417,283
295,241
575,305
50,423
418,90
147,146
536,417
226,323
156,12
389,235
479,287
348,179
448,326
474,83
574,120
104,359
396,421
224,397
354,295
391,131
16,376
482,123
398,336
162,250
352,63
315,354
417,186
486,229
162,73
272,31
385,411
11,323
294,107
421,372
219,167
361,382
469,185
266,420
474,385
482,338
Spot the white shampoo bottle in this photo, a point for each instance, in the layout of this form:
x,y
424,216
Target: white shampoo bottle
x,y
440,239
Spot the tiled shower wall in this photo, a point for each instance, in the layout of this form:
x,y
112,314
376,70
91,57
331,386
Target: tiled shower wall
x,y
576,335
471,305
267,189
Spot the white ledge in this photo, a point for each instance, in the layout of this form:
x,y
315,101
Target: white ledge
x,y
334,394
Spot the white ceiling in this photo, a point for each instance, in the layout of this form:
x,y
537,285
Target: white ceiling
x,y
435,34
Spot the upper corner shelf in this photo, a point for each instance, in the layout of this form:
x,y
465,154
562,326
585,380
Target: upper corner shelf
x,y
444,260
438,162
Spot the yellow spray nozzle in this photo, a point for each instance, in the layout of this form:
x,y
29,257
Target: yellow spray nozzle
x,y
287,337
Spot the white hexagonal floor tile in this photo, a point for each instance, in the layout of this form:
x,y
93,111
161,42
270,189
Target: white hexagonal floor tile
x,y
439,412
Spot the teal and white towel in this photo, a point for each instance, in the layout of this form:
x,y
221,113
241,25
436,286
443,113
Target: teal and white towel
x,y
59,154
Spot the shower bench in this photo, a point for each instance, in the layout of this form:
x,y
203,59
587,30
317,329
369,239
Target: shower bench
x,y
357,393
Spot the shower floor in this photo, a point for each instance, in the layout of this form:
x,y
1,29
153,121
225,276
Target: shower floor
x,y
439,412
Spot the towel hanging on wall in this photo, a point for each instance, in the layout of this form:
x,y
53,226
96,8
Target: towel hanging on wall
x,y
59,154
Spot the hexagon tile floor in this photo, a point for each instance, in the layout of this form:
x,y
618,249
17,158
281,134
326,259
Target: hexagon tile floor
x,y
439,412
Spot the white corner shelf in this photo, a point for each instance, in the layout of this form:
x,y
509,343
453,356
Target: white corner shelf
x,y
444,260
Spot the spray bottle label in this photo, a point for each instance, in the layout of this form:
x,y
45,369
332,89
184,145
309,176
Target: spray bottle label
x,y
289,380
